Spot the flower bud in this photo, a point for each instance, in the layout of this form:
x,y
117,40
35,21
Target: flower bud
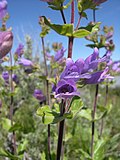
x,y
6,41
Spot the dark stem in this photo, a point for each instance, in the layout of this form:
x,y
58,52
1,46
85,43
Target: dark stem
x,y
62,14
11,105
61,131
94,16
93,118
71,39
47,94
102,121
62,108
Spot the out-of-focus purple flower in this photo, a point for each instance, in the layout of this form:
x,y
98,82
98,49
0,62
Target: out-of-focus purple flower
x,y
109,35
25,62
80,68
48,56
98,2
59,54
98,77
39,95
20,50
66,89
6,41
15,78
5,76
116,67
3,8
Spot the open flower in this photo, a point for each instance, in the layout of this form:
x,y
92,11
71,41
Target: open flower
x,y
98,77
66,89
39,95
3,8
6,41
25,62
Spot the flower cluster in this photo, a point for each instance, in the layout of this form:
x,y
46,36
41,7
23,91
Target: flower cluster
x,y
83,71
6,76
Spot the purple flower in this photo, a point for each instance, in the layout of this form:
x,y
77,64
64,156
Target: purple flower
x,y
39,95
98,2
15,78
19,51
25,62
6,41
98,77
80,68
109,35
5,76
116,67
66,89
59,54
3,8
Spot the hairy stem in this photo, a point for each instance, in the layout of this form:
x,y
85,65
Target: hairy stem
x,y
47,94
93,118
11,105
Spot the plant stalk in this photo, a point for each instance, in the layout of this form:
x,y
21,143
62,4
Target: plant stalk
x,y
61,131
93,118
11,105
102,121
62,14
47,94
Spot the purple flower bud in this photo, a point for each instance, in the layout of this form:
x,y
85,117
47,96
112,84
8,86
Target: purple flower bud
x,y
58,56
5,76
6,41
39,95
3,8
66,89
19,51
25,62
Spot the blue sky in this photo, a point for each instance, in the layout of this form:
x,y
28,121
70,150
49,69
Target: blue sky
x,y
24,16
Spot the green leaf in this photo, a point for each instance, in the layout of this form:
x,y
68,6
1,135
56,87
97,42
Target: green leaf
x,y
15,127
85,154
6,123
50,116
22,147
86,113
65,30
76,105
99,149
5,153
